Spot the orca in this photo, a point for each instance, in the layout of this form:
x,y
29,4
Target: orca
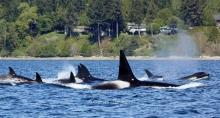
x,y
71,79
84,74
196,76
152,76
126,78
21,79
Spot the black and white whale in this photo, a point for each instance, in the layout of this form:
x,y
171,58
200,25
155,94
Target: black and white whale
x,y
71,79
22,79
152,76
127,79
84,74
70,82
196,76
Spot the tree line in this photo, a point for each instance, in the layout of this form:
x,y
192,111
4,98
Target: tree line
x,y
24,20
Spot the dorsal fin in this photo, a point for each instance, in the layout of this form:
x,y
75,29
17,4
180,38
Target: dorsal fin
x,y
149,74
83,73
11,71
84,70
79,71
72,77
125,72
38,78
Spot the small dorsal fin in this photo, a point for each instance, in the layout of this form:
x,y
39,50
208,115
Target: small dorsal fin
x,y
38,78
11,71
72,77
125,72
149,74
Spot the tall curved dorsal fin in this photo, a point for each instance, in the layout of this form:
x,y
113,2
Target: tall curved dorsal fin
x,y
72,77
83,73
11,71
125,72
78,73
38,78
84,70
149,74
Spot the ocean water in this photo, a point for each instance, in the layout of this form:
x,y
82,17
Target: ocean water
x,y
192,100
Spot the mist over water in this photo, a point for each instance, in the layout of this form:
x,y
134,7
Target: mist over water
x,y
65,72
177,47
182,46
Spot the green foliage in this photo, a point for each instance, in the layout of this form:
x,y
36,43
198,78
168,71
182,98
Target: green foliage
x,y
176,6
137,11
213,34
164,15
27,14
191,12
8,37
46,51
128,43
126,9
151,10
17,37
105,13
45,24
83,19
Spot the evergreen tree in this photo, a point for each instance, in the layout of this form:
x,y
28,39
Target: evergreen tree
x,y
191,12
27,15
9,9
8,37
103,15
151,10
137,12
71,17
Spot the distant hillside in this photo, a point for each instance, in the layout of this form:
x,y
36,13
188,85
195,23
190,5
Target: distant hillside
x,y
45,28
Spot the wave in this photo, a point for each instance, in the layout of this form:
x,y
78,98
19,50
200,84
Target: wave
x,y
146,78
8,82
77,86
53,81
190,85
184,86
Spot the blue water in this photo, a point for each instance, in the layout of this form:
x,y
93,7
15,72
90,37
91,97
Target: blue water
x,y
39,100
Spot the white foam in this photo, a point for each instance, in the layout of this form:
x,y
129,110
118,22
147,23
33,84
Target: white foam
x,y
78,80
49,80
75,85
65,72
185,86
160,79
70,85
196,79
190,85
145,77
9,82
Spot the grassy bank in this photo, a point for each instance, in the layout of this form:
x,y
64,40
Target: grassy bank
x,y
55,45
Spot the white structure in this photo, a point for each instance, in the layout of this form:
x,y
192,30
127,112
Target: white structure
x,y
135,28
168,30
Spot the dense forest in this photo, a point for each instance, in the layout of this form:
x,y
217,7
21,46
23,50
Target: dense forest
x,y
44,28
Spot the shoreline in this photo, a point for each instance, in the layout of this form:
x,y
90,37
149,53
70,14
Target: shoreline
x,y
96,58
